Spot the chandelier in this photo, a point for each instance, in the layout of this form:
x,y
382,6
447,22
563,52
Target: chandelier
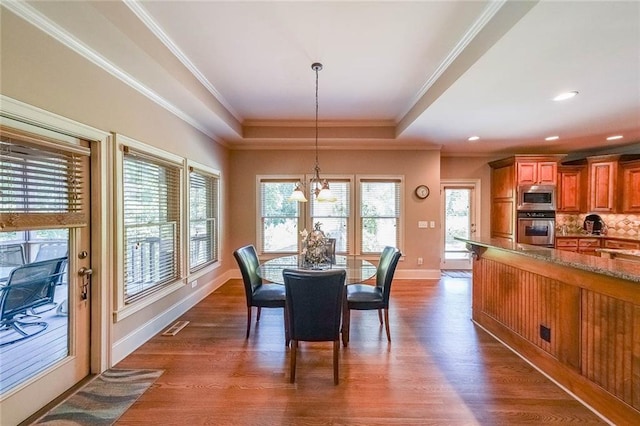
x,y
319,187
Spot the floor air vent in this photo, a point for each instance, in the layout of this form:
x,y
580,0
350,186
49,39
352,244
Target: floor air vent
x,y
175,328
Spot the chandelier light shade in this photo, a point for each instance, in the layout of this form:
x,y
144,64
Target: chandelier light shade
x,y
318,187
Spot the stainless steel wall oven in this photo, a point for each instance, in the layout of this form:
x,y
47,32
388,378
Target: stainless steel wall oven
x,y
537,228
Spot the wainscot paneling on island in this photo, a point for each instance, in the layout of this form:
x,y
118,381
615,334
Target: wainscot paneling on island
x,y
573,316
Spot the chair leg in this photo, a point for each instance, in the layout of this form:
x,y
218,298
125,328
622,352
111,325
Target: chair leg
x,y
286,327
294,350
380,316
346,320
386,323
336,352
259,312
248,321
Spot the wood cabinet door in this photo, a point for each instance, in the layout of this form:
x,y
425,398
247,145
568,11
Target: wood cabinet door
x,y
602,183
547,172
621,245
569,190
527,172
631,187
567,244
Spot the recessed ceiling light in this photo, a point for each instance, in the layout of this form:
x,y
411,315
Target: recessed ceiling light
x,y
565,96
613,138
474,138
552,138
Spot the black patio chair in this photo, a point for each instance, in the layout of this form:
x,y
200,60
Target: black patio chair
x,y
28,287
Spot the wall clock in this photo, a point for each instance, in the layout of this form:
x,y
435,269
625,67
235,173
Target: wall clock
x,y
422,191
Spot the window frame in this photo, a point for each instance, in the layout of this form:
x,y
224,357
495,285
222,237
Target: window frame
x,y
122,309
199,270
351,203
399,179
302,215
354,221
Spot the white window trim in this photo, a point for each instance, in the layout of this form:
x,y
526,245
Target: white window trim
x,y
122,311
351,223
355,218
401,219
187,221
302,219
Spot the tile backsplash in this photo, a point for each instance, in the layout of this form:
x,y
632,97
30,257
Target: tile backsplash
x,y
619,225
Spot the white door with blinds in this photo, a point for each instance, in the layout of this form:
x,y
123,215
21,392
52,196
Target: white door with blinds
x,y
44,269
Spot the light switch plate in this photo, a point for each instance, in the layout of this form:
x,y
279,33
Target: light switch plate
x,y
423,224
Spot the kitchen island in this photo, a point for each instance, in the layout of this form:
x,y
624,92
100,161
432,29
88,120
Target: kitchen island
x,y
575,317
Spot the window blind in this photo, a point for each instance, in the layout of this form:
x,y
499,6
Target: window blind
x,y
379,214
151,216
203,219
279,217
335,217
43,183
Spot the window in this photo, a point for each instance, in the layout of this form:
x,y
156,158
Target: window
x,y
203,217
335,218
377,224
151,221
280,220
43,183
379,214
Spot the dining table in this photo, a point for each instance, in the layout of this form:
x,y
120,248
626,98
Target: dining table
x,y
358,270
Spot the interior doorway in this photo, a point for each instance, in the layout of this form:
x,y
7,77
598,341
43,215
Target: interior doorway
x,y
460,218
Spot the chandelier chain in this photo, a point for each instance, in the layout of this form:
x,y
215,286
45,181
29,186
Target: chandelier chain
x,y
317,167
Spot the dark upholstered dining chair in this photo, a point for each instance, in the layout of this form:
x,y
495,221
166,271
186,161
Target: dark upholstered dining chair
x,y
258,294
28,287
367,297
314,310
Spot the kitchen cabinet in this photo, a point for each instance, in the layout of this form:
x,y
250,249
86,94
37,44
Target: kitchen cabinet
x,y
603,173
572,188
537,172
588,246
620,244
503,203
582,245
567,244
506,175
630,186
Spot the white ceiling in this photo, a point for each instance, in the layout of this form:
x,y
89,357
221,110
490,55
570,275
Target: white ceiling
x,y
397,74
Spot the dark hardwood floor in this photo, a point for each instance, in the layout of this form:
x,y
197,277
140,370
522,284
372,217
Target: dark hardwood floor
x,y
439,369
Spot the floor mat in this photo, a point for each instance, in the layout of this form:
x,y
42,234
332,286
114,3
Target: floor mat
x,y
103,400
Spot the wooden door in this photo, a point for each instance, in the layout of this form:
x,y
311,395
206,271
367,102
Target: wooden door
x,y
631,187
527,172
547,172
570,190
602,183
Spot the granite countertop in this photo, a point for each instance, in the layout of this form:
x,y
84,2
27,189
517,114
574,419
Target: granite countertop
x,y
625,270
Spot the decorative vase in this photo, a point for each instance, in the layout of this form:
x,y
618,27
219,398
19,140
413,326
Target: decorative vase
x,y
314,248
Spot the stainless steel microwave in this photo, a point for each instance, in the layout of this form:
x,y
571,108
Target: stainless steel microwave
x,y
537,197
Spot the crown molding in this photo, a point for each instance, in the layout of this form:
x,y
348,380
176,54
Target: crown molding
x,y
138,10
37,19
487,14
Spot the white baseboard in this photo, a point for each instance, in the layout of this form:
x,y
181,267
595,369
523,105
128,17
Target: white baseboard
x,y
146,331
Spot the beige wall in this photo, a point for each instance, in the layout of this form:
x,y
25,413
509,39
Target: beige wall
x,y
417,167
41,72
472,168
